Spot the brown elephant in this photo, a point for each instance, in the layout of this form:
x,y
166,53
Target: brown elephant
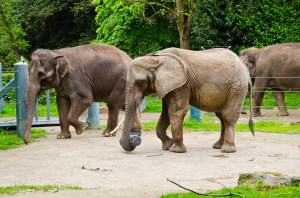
x,y
213,80
80,75
276,67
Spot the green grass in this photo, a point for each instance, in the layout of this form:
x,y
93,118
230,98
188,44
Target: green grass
x,y
208,124
10,110
11,190
9,140
248,192
292,101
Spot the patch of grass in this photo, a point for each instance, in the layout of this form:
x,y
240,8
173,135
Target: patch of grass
x,y
10,110
10,140
247,192
10,190
208,124
291,99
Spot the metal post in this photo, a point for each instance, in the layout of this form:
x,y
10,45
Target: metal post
x,y
1,99
21,80
195,114
48,103
143,104
94,116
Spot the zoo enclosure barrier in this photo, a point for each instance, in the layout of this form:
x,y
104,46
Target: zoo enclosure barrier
x,y
20,85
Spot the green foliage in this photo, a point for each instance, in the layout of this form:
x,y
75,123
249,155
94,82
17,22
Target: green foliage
x,y
242,24
12,37
9,140
136,28
247,192
55,24
11,190
210,123
10,110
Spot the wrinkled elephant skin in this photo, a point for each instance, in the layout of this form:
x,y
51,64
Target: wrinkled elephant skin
x,y
276,67
80,75
213,80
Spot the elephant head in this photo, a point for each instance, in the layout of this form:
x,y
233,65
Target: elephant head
x,y
46,70
249,57
161,73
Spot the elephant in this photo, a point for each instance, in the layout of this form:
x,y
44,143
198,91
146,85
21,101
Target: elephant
x,y
80,75
214,80
276,67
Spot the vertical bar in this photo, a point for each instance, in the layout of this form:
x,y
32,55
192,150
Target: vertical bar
x,y
1,85
36,115
48,103
195,114
143,104
21,80
94,116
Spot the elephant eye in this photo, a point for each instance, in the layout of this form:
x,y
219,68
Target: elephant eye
x,y
139,82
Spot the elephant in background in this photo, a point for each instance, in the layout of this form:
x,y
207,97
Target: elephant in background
x,y
80,75
276,67
214,80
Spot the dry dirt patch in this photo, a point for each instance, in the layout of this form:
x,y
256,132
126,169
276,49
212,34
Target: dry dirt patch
x,y
100,164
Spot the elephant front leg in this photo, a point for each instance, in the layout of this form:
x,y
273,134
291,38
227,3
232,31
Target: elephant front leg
x,y
259,92
279,98
162,125
219,143
63,106
177,109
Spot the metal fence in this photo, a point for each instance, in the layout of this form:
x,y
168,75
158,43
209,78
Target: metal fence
x,y
19,85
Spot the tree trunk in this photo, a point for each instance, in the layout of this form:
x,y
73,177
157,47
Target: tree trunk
x,y
184,25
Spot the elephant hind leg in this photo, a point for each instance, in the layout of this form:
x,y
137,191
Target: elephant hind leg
x,y
230,117
279,99
219,143
113,114
78,106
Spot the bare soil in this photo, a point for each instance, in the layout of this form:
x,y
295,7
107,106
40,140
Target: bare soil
x,y
100,165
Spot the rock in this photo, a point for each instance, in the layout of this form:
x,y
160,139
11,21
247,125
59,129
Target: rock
x,y
267,178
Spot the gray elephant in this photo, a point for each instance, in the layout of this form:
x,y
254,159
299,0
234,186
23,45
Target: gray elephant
x,y
212,80
80,75
276,67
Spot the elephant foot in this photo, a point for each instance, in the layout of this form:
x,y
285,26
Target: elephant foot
x,y
81,127
167,144
108,134
64,135
282,113
228,148
178,148
257,114
218,144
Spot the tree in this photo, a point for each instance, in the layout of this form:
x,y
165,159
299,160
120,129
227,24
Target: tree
x,y
117,15
57,23
12,37
245,23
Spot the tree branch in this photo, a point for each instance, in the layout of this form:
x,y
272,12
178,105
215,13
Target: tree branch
x,y
154,3
203,194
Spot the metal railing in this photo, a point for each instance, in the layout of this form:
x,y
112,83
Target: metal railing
x,y
19,84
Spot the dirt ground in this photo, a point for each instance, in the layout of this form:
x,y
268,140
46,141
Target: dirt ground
x,y
101,166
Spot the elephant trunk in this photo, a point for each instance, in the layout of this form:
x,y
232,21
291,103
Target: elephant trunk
x,y
33,92
130,111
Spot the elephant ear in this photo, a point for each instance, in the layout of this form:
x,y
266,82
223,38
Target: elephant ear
x,y
170,74
62,67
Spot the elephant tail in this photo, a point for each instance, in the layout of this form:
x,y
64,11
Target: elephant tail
x,y
251,123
